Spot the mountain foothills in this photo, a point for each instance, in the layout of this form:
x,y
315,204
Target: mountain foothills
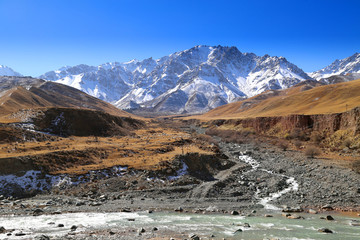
x,y
193,81
24,93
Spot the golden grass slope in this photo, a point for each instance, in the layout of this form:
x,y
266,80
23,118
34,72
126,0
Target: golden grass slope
x,y
50,95
325,99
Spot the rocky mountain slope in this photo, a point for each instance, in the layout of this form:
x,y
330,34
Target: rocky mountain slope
x,y
190,81
339,67
21,93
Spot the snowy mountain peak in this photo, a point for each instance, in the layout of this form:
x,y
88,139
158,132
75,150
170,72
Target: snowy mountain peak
x,y
339,67
6,71
194,80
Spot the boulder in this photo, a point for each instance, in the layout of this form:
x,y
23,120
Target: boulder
x,y
312,211
355,223
238,231
329,218
38,212
19,234
327,207
194,236
294,217
325,230
141,230
42,237
292,209
234,213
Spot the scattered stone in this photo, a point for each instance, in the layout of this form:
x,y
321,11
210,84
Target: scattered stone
x,y
294,217
42,237
246,225
73,228
38,212
238,231
355,223
94,204
57,212
131,219
234,213
125,210
327,207
111,233
290,209
149,211
155,229
2,229
285,214
268,215
179,209
141,230
51,223
194,236
19,234
325,230
60,225
79,203
312,211
329,218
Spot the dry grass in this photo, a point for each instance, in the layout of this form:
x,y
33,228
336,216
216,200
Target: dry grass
x,y
312,151
145,150
319,100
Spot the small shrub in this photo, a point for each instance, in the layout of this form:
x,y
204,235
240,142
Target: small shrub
x,y
297,144
312,151
297,133
316,137
283,145
356,166
347,143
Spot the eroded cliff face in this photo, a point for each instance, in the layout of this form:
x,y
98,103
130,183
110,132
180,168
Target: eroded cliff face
x,y
328,123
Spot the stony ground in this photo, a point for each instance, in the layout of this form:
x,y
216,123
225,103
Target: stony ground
x,y
236,187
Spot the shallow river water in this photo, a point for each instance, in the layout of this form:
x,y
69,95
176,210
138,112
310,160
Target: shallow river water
x,y
204,225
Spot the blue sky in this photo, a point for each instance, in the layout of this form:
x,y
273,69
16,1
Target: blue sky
x,y
39,36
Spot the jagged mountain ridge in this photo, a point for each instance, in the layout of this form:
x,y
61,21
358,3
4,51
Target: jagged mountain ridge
x,y
7,71
339,67
194,80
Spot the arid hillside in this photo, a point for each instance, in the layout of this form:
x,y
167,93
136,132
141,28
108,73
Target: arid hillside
x,y
23,93
308,98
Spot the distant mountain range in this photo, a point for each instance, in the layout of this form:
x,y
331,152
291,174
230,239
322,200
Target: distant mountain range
x,y
6,71
195,80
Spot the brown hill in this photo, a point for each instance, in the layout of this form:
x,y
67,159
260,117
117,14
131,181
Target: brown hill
x,y
20,93
307,98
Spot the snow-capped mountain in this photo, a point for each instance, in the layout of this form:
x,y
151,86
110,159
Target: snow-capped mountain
x,y
6,71
194,80
339,67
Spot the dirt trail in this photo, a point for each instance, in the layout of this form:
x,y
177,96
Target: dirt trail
x,y
202,189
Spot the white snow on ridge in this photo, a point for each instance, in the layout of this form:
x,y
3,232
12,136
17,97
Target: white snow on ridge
x,y
170,83
339,67
6,71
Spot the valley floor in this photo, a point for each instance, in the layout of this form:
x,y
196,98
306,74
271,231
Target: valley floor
x,y
257,179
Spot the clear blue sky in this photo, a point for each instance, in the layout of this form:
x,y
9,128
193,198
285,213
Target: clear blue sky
x,y
39,36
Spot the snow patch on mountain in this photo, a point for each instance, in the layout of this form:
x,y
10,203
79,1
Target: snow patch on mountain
x,y
339,67
194,80
6,71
